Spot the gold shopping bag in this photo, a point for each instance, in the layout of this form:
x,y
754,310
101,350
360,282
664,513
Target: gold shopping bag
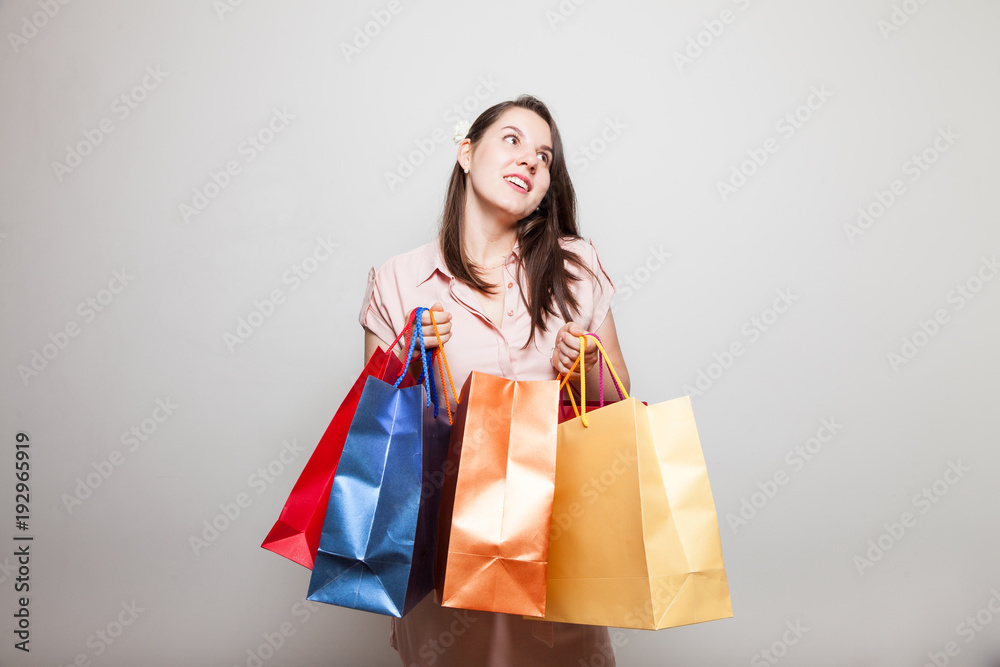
x,y
635,537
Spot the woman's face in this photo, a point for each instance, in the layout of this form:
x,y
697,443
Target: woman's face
x,y
509,167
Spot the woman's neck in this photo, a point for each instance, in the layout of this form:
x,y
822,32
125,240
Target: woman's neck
x,y
487,241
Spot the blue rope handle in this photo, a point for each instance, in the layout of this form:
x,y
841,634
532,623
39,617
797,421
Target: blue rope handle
x,y
425,377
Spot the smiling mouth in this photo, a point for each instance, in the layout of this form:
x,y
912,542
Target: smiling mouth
x,y
514,180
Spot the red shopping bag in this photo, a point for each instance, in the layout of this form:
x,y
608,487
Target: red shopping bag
x,y
296,533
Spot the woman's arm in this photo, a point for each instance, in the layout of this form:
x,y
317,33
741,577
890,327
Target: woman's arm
x,y
371,342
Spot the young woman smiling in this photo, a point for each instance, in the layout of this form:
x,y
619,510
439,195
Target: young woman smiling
x,y
510,275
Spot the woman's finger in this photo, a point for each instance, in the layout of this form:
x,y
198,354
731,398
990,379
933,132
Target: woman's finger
x,y
431,342
442,327
439,316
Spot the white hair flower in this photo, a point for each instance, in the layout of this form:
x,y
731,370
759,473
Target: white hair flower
x,y
461,131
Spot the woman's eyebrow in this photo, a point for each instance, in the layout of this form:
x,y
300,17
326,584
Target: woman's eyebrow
x,y
521,134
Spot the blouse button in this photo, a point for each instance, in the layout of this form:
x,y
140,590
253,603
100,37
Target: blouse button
x,y
510,312
509,285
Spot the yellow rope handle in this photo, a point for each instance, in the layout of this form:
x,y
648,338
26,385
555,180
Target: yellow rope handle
x,y
580,361
443,358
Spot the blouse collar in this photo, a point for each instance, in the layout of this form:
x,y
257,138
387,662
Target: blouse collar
x,y
432,259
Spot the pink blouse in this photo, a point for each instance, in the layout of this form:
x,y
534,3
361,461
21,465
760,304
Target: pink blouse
x,y
430,634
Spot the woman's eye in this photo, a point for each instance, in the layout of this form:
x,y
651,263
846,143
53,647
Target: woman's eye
x,y
544,156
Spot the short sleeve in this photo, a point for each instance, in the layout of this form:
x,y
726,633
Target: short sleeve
x,y
376,313
604,289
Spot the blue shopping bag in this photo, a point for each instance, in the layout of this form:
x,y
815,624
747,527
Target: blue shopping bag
x,y
377,549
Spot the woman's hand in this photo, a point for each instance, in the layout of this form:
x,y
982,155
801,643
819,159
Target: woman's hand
x,y
443,321
567,349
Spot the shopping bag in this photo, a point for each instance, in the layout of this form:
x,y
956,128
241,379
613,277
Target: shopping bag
x,y
496,506
376,550
635,536
295,535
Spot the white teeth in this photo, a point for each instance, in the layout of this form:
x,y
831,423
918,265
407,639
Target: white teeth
x,y
516,181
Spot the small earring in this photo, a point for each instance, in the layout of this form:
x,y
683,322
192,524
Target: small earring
x,y
467,170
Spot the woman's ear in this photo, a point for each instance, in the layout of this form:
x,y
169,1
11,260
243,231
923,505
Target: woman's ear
x,y
464,156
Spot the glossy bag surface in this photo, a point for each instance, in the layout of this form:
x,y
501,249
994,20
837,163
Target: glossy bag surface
x,y
295,535
640,544
496,507
376,550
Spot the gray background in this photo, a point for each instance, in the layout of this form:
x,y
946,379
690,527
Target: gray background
x,y
651,183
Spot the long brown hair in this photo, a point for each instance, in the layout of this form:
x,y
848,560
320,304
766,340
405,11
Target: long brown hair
x,y
538,235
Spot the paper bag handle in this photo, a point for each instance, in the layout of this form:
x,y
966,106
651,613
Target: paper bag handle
x,y
427,371
439,353
414,321
580,361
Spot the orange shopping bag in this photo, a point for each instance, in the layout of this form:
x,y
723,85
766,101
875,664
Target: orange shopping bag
x,y
496,504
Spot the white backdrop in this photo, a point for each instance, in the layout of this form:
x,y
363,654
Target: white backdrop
x,y
793,198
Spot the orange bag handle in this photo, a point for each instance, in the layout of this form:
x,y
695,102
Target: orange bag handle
x,y
442,358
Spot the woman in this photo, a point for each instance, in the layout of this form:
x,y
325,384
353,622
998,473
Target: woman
x,y
512,278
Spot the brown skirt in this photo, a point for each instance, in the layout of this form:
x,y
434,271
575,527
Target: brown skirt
x,y
444,637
